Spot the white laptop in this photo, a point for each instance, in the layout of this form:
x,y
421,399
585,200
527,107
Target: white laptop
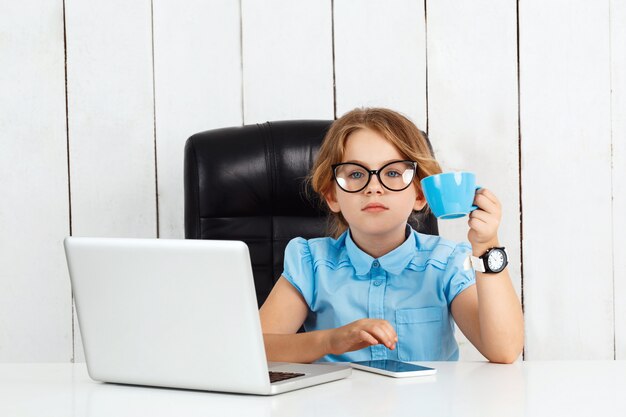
x,y
177,313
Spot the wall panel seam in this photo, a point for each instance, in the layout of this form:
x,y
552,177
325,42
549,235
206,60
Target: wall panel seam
x,y
519,167
243,113
332,35
426,58
69,183
154,129
612,175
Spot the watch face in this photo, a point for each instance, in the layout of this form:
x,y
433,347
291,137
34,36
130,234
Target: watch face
x,y
496,261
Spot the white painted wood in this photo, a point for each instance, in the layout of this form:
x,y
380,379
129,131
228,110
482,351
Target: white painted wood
x,y
35,312
566,179
197,65
618,116
111,120
569,120
287,60
380,56
473,112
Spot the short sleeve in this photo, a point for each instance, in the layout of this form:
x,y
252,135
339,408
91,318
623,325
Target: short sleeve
x,y
298,268
458,276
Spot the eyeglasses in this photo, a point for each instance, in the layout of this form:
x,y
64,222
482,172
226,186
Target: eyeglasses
x,y
394,176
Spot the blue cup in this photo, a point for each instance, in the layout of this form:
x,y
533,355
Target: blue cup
x,y
450,195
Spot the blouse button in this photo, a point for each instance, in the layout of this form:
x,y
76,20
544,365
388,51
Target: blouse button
x,y
377,283
376,264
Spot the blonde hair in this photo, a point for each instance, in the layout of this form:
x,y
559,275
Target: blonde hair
x,y
396,128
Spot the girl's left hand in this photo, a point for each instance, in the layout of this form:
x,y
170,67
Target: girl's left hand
x,y
484,221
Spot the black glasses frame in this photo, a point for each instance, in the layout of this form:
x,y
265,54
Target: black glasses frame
x,y
376,172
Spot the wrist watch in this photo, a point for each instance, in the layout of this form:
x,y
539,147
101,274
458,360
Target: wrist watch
x,y
491,262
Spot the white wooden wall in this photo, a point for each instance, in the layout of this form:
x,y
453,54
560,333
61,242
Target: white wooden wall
x,y
197,73
472,110
380,56
566,139
287,60
531,96
618,139
35,299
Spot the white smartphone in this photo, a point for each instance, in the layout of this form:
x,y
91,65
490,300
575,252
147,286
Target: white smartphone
x,y
392,368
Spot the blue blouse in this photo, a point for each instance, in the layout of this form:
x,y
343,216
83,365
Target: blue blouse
x,y
411,287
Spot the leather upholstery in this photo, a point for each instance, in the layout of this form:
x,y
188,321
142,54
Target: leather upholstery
x,y
246,183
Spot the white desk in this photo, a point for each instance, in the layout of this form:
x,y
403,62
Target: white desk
x,y
594,388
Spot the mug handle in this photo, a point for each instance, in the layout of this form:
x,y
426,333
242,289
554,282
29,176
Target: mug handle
x,y
478,187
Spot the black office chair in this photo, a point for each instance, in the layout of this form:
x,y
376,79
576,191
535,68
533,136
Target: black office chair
x,y
247,183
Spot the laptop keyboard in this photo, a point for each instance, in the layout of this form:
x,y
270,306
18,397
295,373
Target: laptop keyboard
x,y
281,376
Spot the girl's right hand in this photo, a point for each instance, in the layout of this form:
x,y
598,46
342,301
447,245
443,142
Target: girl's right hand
x,y
360,334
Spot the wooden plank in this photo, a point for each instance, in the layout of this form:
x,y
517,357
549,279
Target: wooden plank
x,y
566,179
473,111
380,56
111,120
287,60
35,296
618,116
197,87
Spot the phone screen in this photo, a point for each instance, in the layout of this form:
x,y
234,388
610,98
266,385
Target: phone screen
x,y
393,366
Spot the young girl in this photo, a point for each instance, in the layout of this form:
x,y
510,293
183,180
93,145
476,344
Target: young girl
x,y
378,289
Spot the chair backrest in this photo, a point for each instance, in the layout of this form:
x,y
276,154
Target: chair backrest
x,y
247,183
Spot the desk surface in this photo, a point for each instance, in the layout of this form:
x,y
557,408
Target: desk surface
x,y
563,388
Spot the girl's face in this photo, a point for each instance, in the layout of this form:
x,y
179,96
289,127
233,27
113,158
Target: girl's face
x,y
374,211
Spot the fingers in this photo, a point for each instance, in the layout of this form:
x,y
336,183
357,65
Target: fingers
x,y
485,200
480,215
391,332
382,337
480,227
483,223
366,337
388,329
489,195
360,334
380,331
